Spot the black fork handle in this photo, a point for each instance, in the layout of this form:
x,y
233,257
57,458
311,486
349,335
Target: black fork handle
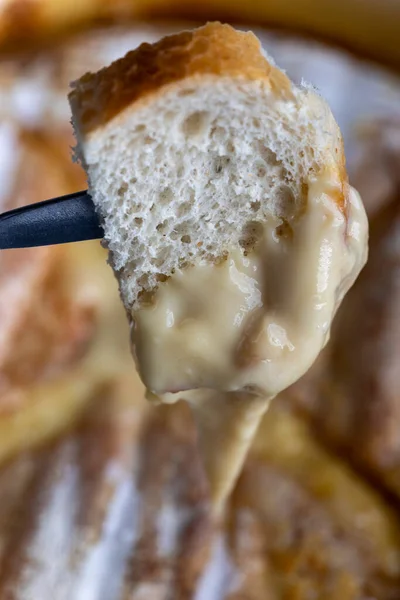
x,y
70,218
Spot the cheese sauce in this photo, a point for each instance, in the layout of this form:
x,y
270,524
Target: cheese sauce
x,y
229,337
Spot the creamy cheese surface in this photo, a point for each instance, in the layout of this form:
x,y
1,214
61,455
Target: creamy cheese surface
x,y
228,337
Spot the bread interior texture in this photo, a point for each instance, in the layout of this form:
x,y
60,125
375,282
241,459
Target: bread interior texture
x,y
193,170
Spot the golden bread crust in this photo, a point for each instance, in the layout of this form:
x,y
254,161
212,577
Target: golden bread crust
x,y
213,50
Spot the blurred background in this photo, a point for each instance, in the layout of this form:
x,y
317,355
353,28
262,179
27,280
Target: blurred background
x,y
103,497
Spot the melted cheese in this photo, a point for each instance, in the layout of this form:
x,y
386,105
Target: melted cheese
x,y
229,337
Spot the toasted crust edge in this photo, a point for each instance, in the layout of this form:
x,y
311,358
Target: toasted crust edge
x,y
214,49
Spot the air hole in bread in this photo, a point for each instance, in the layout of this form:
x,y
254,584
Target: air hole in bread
x,y
268,156
166,196
158,262
146,297
184,208
179,230
138,221
122,189
161,227
218,133
195,124
220,163
185,239
261,170
169,115
132,266
304,192
284,230
132,209
285,200
143,279
220,259
121,193
252,232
